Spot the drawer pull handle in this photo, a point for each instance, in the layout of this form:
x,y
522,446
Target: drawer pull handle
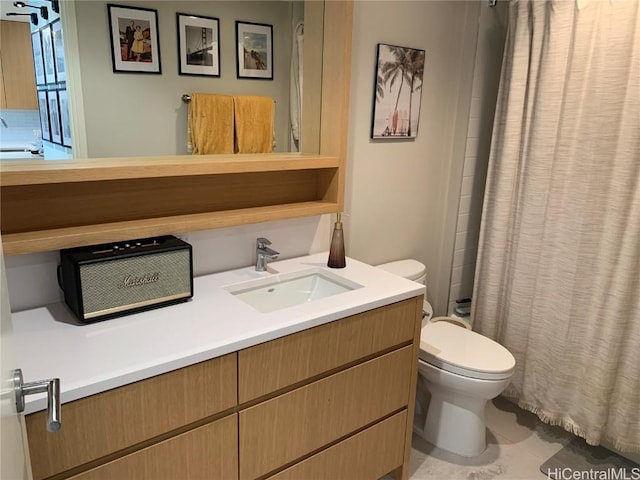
x,y
51,387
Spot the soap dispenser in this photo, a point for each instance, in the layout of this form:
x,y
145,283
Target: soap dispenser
x,y
336,251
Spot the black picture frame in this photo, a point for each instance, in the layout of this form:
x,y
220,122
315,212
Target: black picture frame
x,y
396,104
65,123
135,39
254,52
58,51
43,107
47,55
54,116
198,45
38,59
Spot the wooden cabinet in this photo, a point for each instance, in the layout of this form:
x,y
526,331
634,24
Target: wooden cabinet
x,y
286,361
334,401
208,452
99,426
369,454
308,418
17,76
306,392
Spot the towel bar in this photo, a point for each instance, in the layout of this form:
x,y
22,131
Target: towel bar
x,y
186,98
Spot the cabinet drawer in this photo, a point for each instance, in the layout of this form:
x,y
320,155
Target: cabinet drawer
x,y
283,429
99,425
372,453
279,363
210,452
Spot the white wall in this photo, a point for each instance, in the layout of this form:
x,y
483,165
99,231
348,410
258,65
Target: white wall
x,y
143,114
397,192
32,278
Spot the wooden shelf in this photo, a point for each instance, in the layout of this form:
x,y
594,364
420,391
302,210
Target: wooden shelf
x,y
55,239
49,205
32,172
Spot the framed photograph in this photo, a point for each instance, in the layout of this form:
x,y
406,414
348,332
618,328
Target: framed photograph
x,y
47,54
43,106
38,61
398,92
198,45
255,50
54,116
65,124
135,44
58,51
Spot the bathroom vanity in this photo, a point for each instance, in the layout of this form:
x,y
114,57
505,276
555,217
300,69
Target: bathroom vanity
x,y
214,388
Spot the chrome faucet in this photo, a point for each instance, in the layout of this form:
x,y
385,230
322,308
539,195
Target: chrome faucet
x,y
264,253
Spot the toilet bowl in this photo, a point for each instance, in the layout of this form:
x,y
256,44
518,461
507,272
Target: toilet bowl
x,y
462,370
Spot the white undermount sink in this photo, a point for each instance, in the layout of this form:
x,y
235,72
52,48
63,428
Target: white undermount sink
x,y
288,289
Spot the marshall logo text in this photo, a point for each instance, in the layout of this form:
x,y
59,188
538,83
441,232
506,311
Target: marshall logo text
x,y
131,281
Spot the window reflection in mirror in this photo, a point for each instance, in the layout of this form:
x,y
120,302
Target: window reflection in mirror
x,y
34,88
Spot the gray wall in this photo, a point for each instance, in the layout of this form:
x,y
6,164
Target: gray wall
x,y
128,114
398,191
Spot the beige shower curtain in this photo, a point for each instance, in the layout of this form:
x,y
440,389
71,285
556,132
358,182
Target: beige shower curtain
x,y
558,273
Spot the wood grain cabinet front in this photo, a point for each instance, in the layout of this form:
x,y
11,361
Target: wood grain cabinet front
x,y
208,452
281,430
103,424
18,78
367,455
277,364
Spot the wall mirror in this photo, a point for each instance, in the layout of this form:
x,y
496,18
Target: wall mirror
x,y
128,196
137,114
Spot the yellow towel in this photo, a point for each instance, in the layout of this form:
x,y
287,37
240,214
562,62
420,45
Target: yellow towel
x,y
210,124
254,124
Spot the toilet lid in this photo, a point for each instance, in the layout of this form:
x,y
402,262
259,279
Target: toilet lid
x,y
464,352
411,269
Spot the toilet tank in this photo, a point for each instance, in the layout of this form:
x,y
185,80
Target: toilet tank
x,y
409,269
412,270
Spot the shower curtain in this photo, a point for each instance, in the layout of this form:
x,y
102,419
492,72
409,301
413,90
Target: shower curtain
x,y
558,271
296,70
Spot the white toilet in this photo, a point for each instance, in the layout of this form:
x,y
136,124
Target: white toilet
x,y
462,371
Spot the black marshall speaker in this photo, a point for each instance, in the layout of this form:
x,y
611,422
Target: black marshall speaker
x,y
115,279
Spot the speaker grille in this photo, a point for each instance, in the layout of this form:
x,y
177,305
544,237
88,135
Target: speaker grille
x,y
135,281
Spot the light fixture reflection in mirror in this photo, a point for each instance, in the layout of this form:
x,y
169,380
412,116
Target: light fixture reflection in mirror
x,y
44,12
34,16
55,5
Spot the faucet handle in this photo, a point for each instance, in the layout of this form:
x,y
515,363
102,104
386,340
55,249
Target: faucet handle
x,y
262,242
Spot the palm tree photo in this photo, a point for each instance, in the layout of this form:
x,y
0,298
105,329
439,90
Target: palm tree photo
x,y
399,72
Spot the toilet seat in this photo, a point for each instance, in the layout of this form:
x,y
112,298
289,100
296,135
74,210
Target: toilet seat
x,y
464,352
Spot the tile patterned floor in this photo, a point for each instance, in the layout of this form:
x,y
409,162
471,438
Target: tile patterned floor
x,y
518,443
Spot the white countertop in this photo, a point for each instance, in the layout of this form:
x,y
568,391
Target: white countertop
x,y
92,358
